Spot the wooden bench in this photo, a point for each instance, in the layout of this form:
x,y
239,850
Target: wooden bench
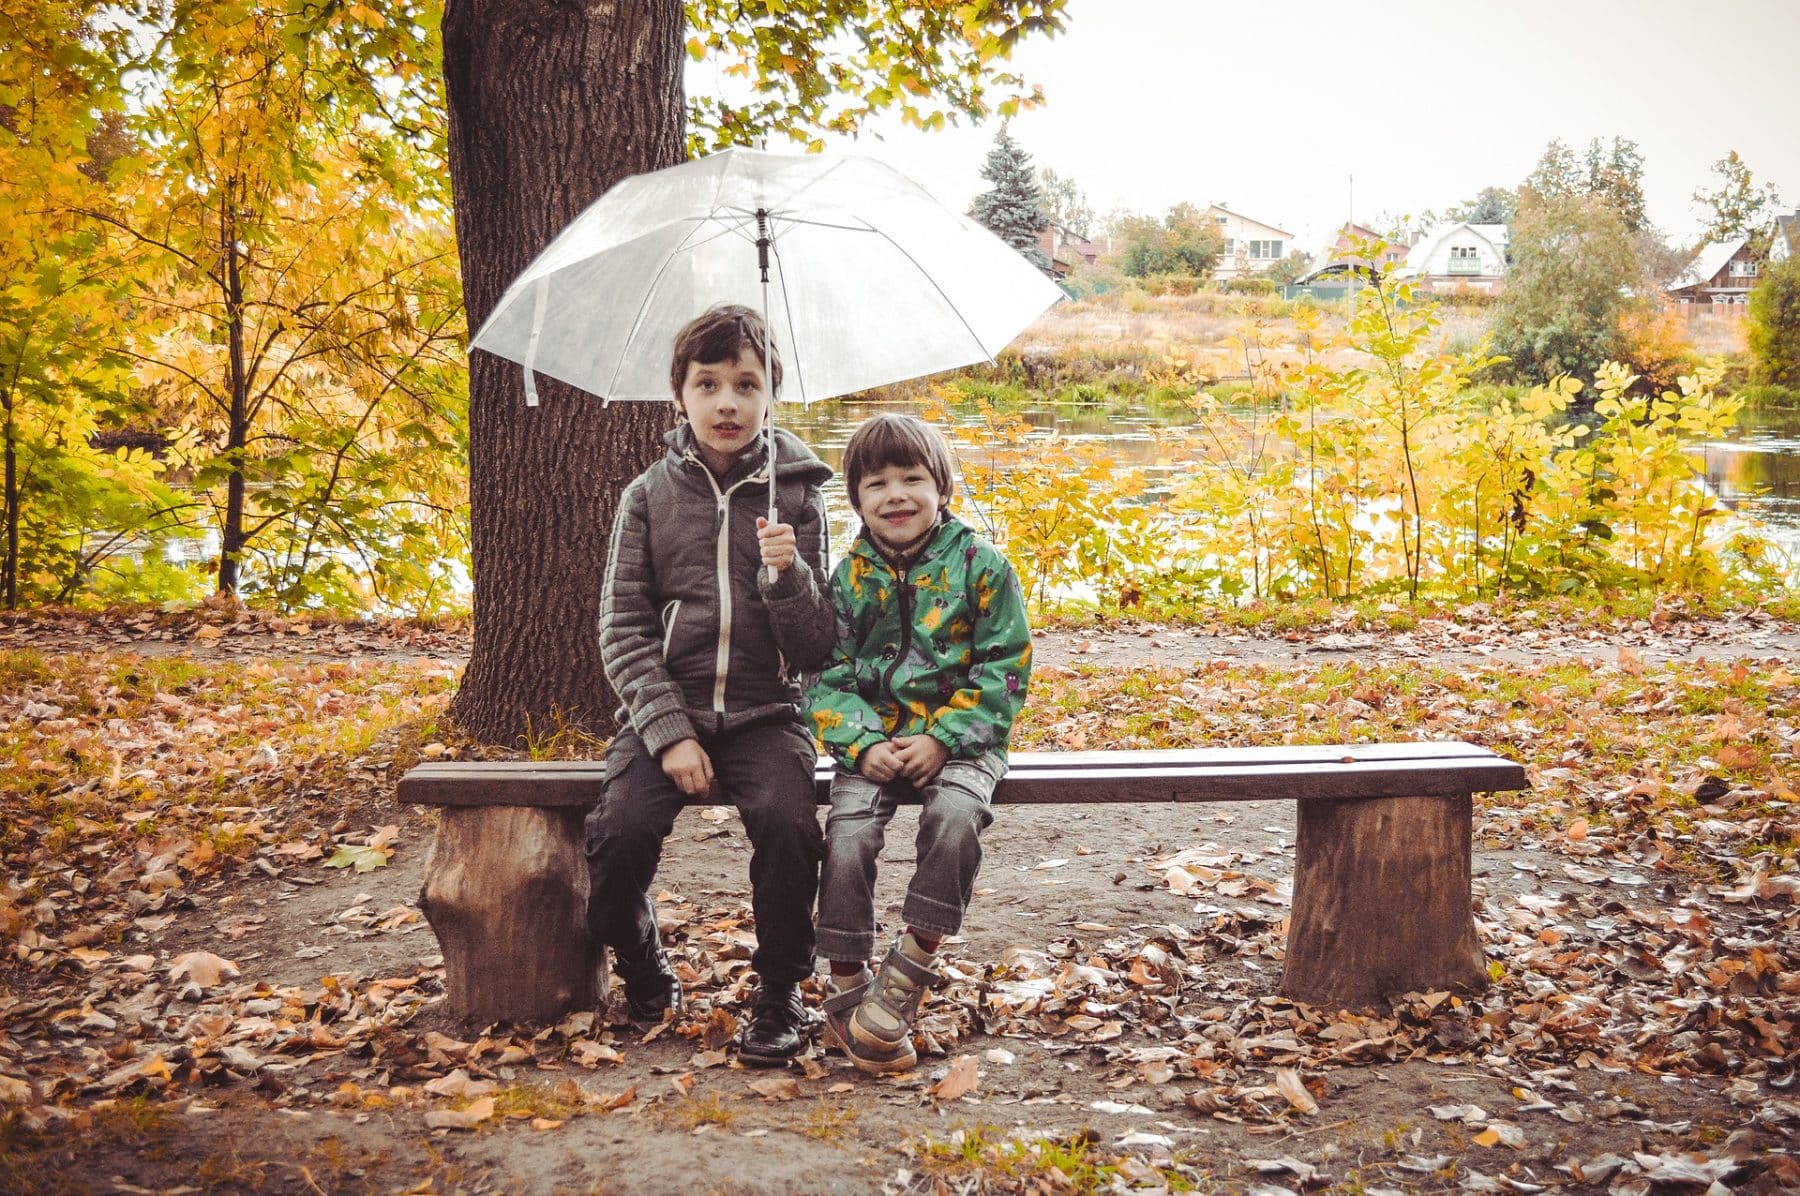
x,y
1381,901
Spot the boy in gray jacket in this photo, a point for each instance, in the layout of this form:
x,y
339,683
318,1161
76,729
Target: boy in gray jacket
x,y
708,614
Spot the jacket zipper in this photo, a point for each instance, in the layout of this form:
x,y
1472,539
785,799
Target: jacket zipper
x,y
722,569
902,579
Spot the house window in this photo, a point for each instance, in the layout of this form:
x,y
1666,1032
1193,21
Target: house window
x,y
1743,269
1265,251
1230,245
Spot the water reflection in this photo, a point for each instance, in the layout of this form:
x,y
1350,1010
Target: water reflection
x,y
1755,472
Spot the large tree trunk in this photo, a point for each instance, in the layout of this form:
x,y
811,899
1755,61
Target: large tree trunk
x,y
550,104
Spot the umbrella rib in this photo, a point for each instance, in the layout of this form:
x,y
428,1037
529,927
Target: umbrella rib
x,y
926,274
793,338
643,306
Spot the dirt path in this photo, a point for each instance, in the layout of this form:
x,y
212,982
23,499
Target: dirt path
x,y
1471,638
1108,1008
1073,886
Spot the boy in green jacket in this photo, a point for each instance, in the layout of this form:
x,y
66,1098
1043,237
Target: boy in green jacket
x,y
929,670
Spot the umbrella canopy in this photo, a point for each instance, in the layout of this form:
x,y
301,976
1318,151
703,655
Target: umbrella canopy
x,y
870,280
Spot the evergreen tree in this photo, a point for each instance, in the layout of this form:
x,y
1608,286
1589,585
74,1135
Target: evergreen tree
x,y
1013,208
1492,205
1616,175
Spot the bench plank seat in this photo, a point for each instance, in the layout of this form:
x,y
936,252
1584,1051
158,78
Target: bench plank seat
x,y
1197,775
1382,873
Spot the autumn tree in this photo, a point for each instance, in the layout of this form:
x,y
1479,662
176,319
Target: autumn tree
x,y
529,148
1773,327
1183,241
1065,203
1615,176
1572,263
1012,208
1738,206
72,506
1611,173
298,298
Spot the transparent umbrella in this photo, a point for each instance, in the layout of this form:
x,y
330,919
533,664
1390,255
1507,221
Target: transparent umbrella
x,y
863,277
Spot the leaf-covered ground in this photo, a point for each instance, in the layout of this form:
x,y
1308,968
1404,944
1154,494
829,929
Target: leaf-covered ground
x,y
216,977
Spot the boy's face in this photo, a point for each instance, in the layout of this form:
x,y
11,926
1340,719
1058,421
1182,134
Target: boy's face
x,y
899,504
725,402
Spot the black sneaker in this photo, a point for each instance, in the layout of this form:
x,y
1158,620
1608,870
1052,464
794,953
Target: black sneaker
x,y
776,1032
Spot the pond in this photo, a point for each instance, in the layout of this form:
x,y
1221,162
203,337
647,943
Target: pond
x,y
1755,471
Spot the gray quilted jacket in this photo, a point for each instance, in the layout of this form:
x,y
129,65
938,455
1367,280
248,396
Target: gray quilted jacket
x,y
692,636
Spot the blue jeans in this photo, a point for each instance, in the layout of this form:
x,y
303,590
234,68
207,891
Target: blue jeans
x,y
957,808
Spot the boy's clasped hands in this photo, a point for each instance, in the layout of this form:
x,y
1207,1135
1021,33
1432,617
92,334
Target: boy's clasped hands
x,y
915,758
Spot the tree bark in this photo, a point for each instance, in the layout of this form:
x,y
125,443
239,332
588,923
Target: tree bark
x,y
506,890
550,104
9,566
1381,901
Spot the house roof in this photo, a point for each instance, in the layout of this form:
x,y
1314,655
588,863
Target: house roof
x,y
1708,262
1787,230
1330,254
1219,207
1496,237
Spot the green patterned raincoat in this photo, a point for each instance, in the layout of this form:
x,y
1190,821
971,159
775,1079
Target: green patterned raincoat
x,y
943,650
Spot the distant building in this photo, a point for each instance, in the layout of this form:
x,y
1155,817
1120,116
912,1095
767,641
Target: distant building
x,y
1067,250
1785,240
1336,257
1251,246
1721,275
1459,256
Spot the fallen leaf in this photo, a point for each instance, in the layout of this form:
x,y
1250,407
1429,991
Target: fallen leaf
x,y
776,1088
958,1082
202,967
359,856
461,1119
1287,1082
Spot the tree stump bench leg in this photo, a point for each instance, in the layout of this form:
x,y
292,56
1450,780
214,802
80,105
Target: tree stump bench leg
x,y
506,890
1382,901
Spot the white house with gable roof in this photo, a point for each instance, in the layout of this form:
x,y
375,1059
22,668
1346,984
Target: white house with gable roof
x,y
1251,246
1459,256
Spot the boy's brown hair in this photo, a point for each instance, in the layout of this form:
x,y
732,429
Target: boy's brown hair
x,y
718,334
899,440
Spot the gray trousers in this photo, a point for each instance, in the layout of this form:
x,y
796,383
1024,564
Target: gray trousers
x,y
957,808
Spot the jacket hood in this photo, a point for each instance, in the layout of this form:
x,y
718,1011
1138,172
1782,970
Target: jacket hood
x,y
794,461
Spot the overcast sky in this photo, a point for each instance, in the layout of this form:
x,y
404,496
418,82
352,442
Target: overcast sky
x,y
1270,108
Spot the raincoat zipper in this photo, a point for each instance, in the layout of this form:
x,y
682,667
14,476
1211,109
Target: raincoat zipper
x,y
903,582
722,569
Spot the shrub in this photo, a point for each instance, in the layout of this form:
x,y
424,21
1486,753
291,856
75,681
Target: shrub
x,y
1653,342
1773,330
1248,286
